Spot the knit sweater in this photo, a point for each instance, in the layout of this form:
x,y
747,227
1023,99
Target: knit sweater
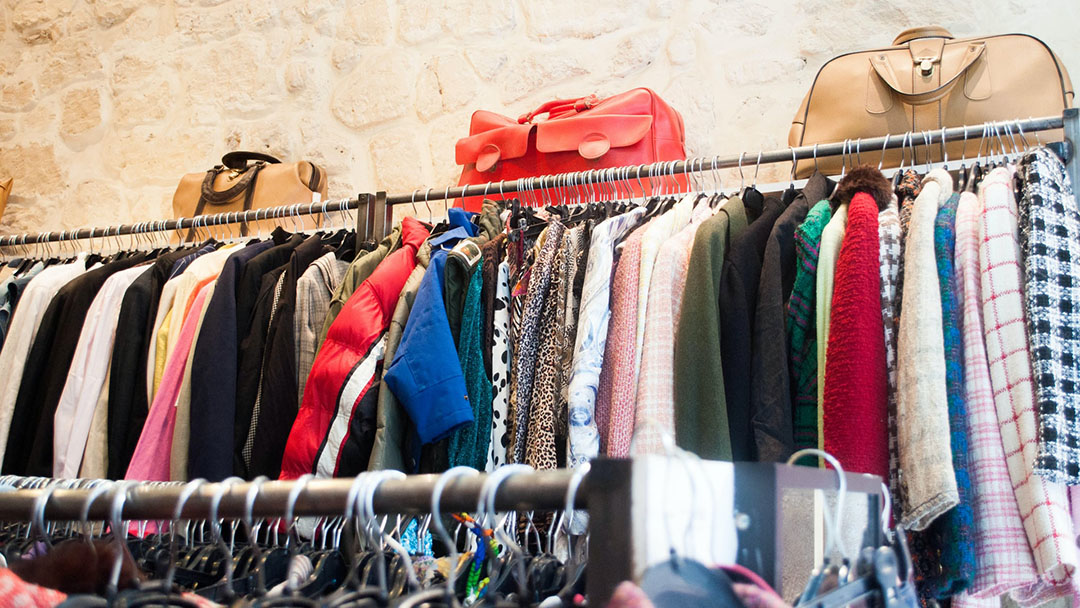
x,y
615,395
929,484
469,444
802,327
854,405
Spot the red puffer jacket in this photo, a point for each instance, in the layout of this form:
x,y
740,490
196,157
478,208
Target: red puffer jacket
x,y
345,375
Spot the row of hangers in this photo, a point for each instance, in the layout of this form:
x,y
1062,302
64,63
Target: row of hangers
x,y
663,179
151,236
357,558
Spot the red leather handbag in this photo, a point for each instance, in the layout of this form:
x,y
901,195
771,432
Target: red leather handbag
x,y
630,128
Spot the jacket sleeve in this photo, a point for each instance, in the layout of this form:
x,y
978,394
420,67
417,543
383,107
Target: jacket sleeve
x,y
425,374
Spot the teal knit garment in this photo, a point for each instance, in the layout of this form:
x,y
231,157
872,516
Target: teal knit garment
x,y
469,444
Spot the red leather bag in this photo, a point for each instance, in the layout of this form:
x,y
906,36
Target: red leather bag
x,y
630,128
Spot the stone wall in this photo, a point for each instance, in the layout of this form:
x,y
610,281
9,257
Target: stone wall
x,y
105,103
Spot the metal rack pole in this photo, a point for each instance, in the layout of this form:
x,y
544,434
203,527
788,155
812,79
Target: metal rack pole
x,y
201,221
530,491
377,218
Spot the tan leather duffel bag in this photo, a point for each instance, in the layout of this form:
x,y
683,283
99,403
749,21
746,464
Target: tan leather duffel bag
x,y
248,180
925,81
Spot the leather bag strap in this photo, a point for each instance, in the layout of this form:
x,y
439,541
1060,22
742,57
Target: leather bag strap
x,y
246,184
926,31
215,197
888,76
559,107
239,159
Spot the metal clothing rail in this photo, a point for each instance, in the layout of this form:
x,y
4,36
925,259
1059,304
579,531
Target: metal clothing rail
x,y
540,490
375,213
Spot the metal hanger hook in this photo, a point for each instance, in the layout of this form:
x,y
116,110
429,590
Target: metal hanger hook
x,y
487,505
38,517
427,203
185,494
1023,138
299,484
886,511
215,527
963,149
944,150
884,147
369,511
835,537
85,513
571,493
119,531
436,515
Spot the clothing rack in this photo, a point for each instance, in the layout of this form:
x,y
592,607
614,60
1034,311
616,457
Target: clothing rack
x,y
375,213
614,492
154,501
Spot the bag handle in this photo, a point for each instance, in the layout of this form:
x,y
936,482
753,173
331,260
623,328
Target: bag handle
x,y
926,31
888,76
559,106
238,159
245,184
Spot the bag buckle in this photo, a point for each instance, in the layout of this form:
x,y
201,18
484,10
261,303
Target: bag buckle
x,y
586,103
926,66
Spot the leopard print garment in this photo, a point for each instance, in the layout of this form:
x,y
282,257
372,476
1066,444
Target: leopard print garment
x,y
540,452
575,262
528,339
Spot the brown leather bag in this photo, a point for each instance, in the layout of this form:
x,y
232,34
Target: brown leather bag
x,y
248,180
925,81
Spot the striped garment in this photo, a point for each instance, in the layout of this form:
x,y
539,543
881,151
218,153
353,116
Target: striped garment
x,y
1050,247
1003,557
801,327
1044,505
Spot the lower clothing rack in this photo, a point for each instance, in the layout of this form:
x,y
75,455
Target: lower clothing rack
x,y
619,496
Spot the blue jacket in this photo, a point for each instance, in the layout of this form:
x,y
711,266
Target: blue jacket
x,y
425,374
